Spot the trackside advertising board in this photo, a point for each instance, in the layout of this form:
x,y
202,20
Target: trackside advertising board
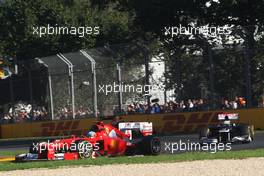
x,y
188,122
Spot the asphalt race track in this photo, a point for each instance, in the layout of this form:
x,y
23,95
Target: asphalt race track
x,y
166,141
193,138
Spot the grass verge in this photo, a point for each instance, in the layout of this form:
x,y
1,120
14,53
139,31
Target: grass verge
x,y
12,153
190,156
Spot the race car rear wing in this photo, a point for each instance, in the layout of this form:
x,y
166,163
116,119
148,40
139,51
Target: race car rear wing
x,y
145,128
228,116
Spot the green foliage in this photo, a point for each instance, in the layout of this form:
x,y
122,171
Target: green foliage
x,y
230,80
123,21
19,17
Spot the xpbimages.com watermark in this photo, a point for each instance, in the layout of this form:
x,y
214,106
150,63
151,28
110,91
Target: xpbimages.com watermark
x,y
51,146
115,88
173,31
172,147
80,31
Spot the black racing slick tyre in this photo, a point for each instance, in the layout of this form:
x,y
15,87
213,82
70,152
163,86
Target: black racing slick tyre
x,y
204,133
252,132
247,130
151,146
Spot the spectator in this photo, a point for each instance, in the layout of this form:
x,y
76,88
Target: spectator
x,y
233,104
130,109
140,108
155,108
242,102
182,105
190,105
226,105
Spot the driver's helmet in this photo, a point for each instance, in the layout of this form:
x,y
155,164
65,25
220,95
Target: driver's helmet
x,y
91,134
112,134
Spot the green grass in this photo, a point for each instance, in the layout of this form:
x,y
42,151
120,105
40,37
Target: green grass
x,y
12,153
190,156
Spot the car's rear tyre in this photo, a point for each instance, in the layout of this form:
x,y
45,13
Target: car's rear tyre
x,y
252,132
204,133
155,146
151,146
247,130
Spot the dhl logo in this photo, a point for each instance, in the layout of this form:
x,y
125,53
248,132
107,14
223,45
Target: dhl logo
x,y
166,124
61,128
187,122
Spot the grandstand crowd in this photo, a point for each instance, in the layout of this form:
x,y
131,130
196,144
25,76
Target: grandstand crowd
x,y
66,112
23,112
26,112
185,106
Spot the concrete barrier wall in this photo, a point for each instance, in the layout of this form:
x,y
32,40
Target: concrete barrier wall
x,y
172,123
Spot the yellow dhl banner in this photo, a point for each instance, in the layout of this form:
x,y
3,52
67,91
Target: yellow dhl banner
x,y
188,122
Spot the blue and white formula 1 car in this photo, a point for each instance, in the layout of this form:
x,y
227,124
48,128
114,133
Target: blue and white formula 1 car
x,y
226,131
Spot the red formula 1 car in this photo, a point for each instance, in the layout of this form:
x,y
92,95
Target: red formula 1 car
x,y
129,138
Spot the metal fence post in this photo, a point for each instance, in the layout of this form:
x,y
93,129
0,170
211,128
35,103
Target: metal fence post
x,y
119,81
94,80
147,75
94,89
70,66
211,75
51,98
247,55
50,88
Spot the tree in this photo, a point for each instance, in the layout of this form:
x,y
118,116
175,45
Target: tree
x,y
19,17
